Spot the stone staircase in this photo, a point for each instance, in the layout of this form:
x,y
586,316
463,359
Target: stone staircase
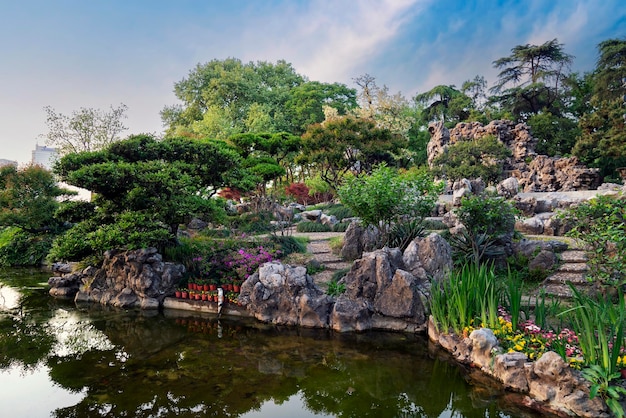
x,y
573,270
320,249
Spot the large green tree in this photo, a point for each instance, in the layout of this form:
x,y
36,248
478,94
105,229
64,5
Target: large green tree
x,y
531,79
222,98
345,144
28,198
144,188
603,140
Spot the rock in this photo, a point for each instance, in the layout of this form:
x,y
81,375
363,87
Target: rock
x,y
510,369
350,315
530,226
130,279
483,341
286,295
358,239
535,173
328,220
428,258
311,215
508,188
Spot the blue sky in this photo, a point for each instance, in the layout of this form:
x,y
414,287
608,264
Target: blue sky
x,y
76,53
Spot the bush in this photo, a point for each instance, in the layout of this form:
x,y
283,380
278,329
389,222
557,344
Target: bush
x,y
599,224
312,227
341,226
252,223
385,197
402,233
339,211
288,244
20,249
487,220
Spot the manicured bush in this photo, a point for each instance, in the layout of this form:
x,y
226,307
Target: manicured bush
x,y
312,227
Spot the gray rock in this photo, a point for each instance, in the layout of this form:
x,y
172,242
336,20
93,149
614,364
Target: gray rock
x,y
508,188
311,215
483,342
358,239
428,258
510,369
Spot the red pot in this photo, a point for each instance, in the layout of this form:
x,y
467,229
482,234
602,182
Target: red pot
x,y
205,287
177,293
212,287
236,288
184,295
191,286
204,297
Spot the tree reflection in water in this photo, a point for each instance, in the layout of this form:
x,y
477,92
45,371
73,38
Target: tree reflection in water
x,y
173,364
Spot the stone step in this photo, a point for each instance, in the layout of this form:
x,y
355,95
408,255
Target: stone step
x,y
563,278
560,291
573,268
574,256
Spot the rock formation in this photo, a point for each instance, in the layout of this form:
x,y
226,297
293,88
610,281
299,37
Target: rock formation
x,y
127,279
385,289
535,173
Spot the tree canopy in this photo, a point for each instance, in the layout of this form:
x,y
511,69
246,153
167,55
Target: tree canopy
x,y
86,129
154,185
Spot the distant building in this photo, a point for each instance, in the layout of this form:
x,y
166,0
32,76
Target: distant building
x,y
4,162
44,156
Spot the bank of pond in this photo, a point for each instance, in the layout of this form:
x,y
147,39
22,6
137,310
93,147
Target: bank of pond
x,y
62,359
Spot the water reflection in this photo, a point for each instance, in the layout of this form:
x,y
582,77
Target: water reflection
x,y
98,362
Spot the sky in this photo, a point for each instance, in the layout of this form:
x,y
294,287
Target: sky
x,y
69,54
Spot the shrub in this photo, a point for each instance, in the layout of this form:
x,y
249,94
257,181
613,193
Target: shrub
x,y
299,191
487,219
339,211
252,222
402,233
385,197
341,226
599,224
18,248
312,227
289,244
335,288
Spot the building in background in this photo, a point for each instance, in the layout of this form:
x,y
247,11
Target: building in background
x,y
4,162
44,156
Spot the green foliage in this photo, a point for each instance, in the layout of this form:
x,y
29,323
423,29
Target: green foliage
x,y
19,248
434,225
335,288
404,231
307,226
555,135
28,198
75,211
385,197
252,222
476,158
600,380
341,226
469,294
599,324
486,218
347,144
288,244
339,211
599,224
145,188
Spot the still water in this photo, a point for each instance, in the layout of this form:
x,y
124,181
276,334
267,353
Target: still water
x,y
62,360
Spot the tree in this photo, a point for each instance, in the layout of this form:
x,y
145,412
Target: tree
x,y
482,158
28,198
346,144
444,103
223,98
145,188
603,140
384,197
531,78
85,130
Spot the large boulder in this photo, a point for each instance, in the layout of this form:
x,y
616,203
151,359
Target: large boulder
x,y
358,239
131,279
286,295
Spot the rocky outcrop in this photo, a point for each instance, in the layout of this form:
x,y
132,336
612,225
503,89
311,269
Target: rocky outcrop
x,y
358,239
385,289
550,384
535,173
127,279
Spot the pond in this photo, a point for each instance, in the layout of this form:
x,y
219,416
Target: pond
x,y
62,360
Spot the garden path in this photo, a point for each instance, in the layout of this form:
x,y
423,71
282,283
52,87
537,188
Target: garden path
x,y
319,247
